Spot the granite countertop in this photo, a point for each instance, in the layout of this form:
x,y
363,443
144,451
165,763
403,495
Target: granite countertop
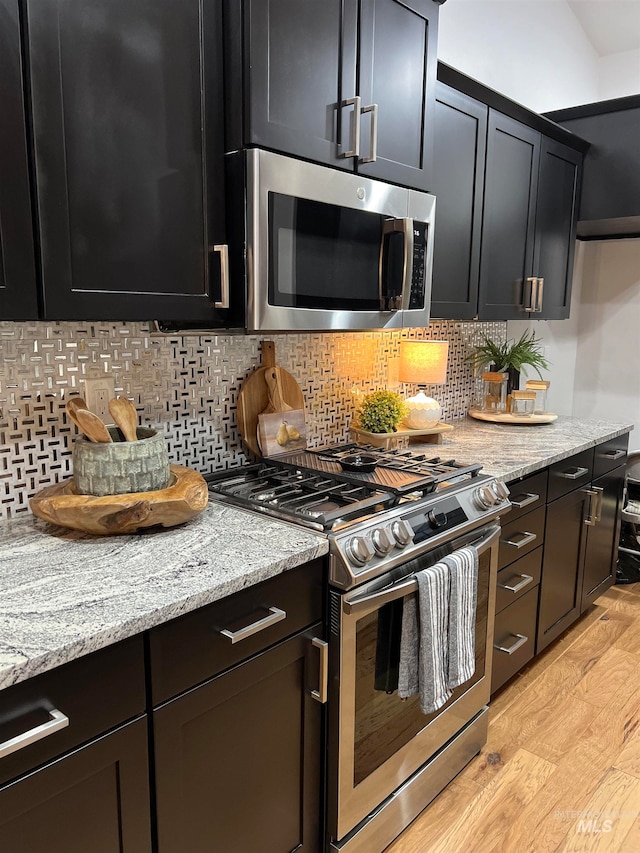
x,y
64,594
510,451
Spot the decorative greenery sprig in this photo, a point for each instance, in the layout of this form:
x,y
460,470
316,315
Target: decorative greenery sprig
x,y
381,411
516,354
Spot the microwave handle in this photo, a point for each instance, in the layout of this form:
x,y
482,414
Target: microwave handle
x,y
409,584
405,225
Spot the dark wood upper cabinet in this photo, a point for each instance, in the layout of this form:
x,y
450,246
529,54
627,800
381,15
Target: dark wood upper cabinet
x,y
18,294
555,235
458,182
126,102
508,228
349,83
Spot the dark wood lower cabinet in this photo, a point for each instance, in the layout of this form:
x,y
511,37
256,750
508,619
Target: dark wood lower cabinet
x,y
238,758
603,537
93,800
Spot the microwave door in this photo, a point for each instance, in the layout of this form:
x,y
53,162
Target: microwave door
x,y
396,264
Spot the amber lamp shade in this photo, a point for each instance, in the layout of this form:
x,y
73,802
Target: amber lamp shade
x,y
423,363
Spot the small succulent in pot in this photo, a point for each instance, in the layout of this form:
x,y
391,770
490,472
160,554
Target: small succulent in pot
x,y
381,411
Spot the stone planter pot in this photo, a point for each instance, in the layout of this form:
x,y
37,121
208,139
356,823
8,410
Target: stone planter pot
x,y
123,466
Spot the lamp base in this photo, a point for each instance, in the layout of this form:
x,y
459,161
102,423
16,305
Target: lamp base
x,y
424,412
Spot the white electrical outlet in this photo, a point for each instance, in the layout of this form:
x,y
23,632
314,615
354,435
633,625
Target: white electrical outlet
x,y
97,393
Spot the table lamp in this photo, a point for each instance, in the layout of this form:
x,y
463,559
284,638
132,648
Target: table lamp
x,y
423,363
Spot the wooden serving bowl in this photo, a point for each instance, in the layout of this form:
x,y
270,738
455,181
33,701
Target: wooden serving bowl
x,y
185,497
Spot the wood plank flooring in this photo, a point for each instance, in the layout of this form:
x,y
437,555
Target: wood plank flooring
x,y
561,767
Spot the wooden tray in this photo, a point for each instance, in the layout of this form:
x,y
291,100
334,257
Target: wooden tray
x,y
402,436
184,498
508,418
254,396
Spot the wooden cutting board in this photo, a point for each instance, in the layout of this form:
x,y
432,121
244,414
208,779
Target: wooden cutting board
x,y
253,398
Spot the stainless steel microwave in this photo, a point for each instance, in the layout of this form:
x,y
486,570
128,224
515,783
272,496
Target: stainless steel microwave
x,y
327,250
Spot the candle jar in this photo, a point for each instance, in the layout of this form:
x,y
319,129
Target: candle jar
x,y
522,403
540,388
494,392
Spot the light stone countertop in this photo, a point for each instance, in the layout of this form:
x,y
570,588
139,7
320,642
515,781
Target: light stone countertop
x,y
509,451
64,594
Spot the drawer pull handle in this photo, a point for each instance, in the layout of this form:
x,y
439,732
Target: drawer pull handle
x,y
519,540
572,473
526,580
275,615
58,721
509,650
320,695
524,499
615,454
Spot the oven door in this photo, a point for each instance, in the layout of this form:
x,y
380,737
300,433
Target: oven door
x,y
377,740
330,250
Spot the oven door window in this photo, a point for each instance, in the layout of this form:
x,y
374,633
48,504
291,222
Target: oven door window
x,y
384,723
322,256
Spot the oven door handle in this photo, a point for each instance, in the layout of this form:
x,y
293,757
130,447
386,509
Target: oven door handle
x,y
407,585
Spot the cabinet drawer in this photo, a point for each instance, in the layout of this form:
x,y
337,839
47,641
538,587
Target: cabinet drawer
x,y
514,638
95,693
527,494
610,454
192,648
521,536
570,474
518,579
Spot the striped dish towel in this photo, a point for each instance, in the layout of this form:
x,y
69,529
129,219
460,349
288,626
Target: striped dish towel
x,y
463,573
424,644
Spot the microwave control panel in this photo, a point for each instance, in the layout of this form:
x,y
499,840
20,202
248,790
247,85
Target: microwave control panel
x,y
416,300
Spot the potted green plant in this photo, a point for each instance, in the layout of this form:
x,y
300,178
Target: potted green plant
x,y
509,357
381,411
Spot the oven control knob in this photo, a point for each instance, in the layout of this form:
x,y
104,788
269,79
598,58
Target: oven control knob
x,y
382,541
359,550
500,491
484,498
402,532
436,519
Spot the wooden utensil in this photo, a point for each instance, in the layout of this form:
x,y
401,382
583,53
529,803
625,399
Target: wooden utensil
x,y
125,416
92,426
73,404
254,396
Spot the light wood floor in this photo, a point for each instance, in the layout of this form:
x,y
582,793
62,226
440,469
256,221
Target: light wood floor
x,y
561,768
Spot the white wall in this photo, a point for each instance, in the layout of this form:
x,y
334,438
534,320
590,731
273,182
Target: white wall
x,y
607,371
533,51
619,75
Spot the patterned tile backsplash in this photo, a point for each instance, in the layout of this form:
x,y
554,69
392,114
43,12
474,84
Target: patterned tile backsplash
x,y
188,385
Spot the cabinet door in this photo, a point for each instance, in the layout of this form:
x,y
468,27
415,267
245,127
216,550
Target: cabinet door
x,y
561,584
238,763
18,299
458,182
556,216
602,538
300,64
122,93
94,799
397,73
510,195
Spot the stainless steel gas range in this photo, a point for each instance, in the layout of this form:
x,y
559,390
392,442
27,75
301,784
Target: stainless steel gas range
x,y
386,759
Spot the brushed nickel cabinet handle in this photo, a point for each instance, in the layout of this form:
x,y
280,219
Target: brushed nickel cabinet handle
x,y
592,511
524,499
275,615
526,580
615,454
355,103
572,473
538,307
509,650
223,250
57,721
531,305
519,540
320,695
373,140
